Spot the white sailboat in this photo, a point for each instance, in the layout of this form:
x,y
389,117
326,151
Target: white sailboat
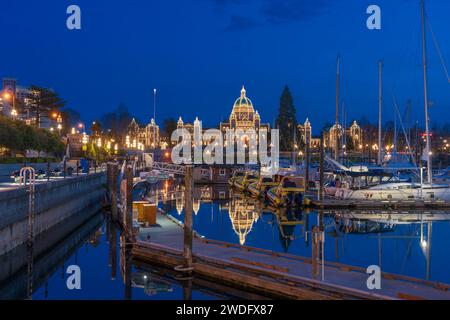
x,y
362,188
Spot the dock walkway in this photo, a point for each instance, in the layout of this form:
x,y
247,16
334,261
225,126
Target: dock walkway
x,y
334,203
275,274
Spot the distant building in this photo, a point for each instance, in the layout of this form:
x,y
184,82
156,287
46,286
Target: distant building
x,y
243,116
143,137
75,142
354,132
305,131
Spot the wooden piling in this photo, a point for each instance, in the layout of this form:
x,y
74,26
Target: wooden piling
x,y
189,186
307,165
321,168
112,187
128,207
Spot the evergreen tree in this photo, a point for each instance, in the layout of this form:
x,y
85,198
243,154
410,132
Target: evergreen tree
x,y
287,121
170,125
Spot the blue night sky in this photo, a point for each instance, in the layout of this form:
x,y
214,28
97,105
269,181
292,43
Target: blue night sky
x,y
199,53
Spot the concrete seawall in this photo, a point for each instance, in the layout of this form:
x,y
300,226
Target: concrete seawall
x,y
54,202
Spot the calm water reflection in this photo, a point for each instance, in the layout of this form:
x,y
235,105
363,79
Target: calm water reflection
x,y
408,243
107,272
411,243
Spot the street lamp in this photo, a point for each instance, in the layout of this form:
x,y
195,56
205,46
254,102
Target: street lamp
x,y
59,128
81,126
84,141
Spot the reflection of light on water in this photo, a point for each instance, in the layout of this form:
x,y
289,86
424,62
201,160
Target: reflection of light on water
x,y
424,244
196,206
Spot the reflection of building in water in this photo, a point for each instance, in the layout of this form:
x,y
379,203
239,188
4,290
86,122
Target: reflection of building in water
x,y
211,192
151,283
242,216
196,206
179,203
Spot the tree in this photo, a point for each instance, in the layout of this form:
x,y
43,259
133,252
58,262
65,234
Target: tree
x,y
287,121
116,122
71,118
18,137
43,101
170,125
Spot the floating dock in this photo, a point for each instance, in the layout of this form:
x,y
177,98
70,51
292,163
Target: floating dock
x,y
333,203
273,274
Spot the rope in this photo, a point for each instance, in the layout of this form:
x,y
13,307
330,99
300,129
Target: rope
x,y
436,45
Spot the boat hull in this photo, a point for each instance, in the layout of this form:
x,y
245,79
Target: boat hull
x,y
427,193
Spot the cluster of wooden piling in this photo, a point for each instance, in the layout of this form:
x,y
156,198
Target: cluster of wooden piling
x,y
121,196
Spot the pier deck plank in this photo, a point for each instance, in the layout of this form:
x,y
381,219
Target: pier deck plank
x,y
290,269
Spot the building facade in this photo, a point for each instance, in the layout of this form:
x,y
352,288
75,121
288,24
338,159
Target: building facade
x,y
354,133
142,137
243,116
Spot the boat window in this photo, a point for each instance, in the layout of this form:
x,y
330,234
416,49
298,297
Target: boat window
x,y
251,176
267,180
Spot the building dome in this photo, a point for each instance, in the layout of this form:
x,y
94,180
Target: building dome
x,y
243,104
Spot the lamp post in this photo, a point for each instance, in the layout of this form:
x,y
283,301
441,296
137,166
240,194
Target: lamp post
x,y
81,126
84,141
154,118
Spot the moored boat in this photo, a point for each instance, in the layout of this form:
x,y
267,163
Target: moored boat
x,y
259,188
288,193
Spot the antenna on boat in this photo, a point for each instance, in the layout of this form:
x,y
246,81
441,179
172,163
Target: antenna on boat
x,y
425,93
380,111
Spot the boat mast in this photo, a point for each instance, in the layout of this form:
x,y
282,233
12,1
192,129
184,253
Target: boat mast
x,y
336,129
380,109
425,92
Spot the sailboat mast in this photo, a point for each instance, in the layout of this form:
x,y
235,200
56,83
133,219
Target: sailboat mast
x,y
380,110
336,131
425,93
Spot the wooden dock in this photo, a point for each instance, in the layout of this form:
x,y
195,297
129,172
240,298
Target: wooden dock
x,y
273,274
334,203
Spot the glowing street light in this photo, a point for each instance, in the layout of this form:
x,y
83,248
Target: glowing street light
x,y
84,140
